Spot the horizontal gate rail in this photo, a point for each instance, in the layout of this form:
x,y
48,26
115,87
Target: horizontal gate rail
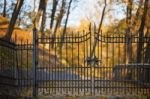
x,y
67,39
120,39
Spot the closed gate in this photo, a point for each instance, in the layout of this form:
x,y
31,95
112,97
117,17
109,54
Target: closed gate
x,y
90,64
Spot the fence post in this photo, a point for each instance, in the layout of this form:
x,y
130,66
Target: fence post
x,y
34,91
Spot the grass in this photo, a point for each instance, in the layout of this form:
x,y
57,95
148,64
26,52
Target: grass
x,y
81,90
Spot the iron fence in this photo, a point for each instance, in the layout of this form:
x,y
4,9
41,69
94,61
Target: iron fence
x,y
15,68
74,67
80,64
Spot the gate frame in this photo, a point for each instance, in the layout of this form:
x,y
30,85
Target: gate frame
x,y
35,63
92,60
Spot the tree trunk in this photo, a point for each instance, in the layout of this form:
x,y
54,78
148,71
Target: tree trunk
x,y
65,26
4,10
55,2
13,19
137,15
58,21
128,34
141,33
43,19
34,17
147,53
41,12
38,15
99,29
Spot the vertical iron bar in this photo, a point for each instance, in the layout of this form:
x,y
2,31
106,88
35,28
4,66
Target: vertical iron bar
x,y
61,57
72,65
106,85
99,62
113,56
43,67
94,66
81,67
53,49
142,70
55,73
87,66
75,64
131,67
91,89
0,57
101,57
49,68
66,82
125,54
119,50
27,60
21,71
17,68
34,62
78,60
23,64
84,61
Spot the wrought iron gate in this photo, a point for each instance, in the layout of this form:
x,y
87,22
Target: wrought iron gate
x,y
89,64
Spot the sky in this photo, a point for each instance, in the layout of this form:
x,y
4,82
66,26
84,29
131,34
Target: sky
x,y
89,8
85,9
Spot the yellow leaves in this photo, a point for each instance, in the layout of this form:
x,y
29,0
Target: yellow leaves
x,y
64,62
18,34
84,25
2,20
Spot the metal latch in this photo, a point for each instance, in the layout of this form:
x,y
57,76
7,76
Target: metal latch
x,y
93,60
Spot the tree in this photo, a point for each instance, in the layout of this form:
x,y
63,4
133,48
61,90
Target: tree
x,y
58,20
13,19
141,32
136,18
66,21
55,3
147,52
41,12
100,26
4,10
43,18
128,32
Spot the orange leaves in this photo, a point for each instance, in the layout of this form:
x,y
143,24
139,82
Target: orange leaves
x,y
18,34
